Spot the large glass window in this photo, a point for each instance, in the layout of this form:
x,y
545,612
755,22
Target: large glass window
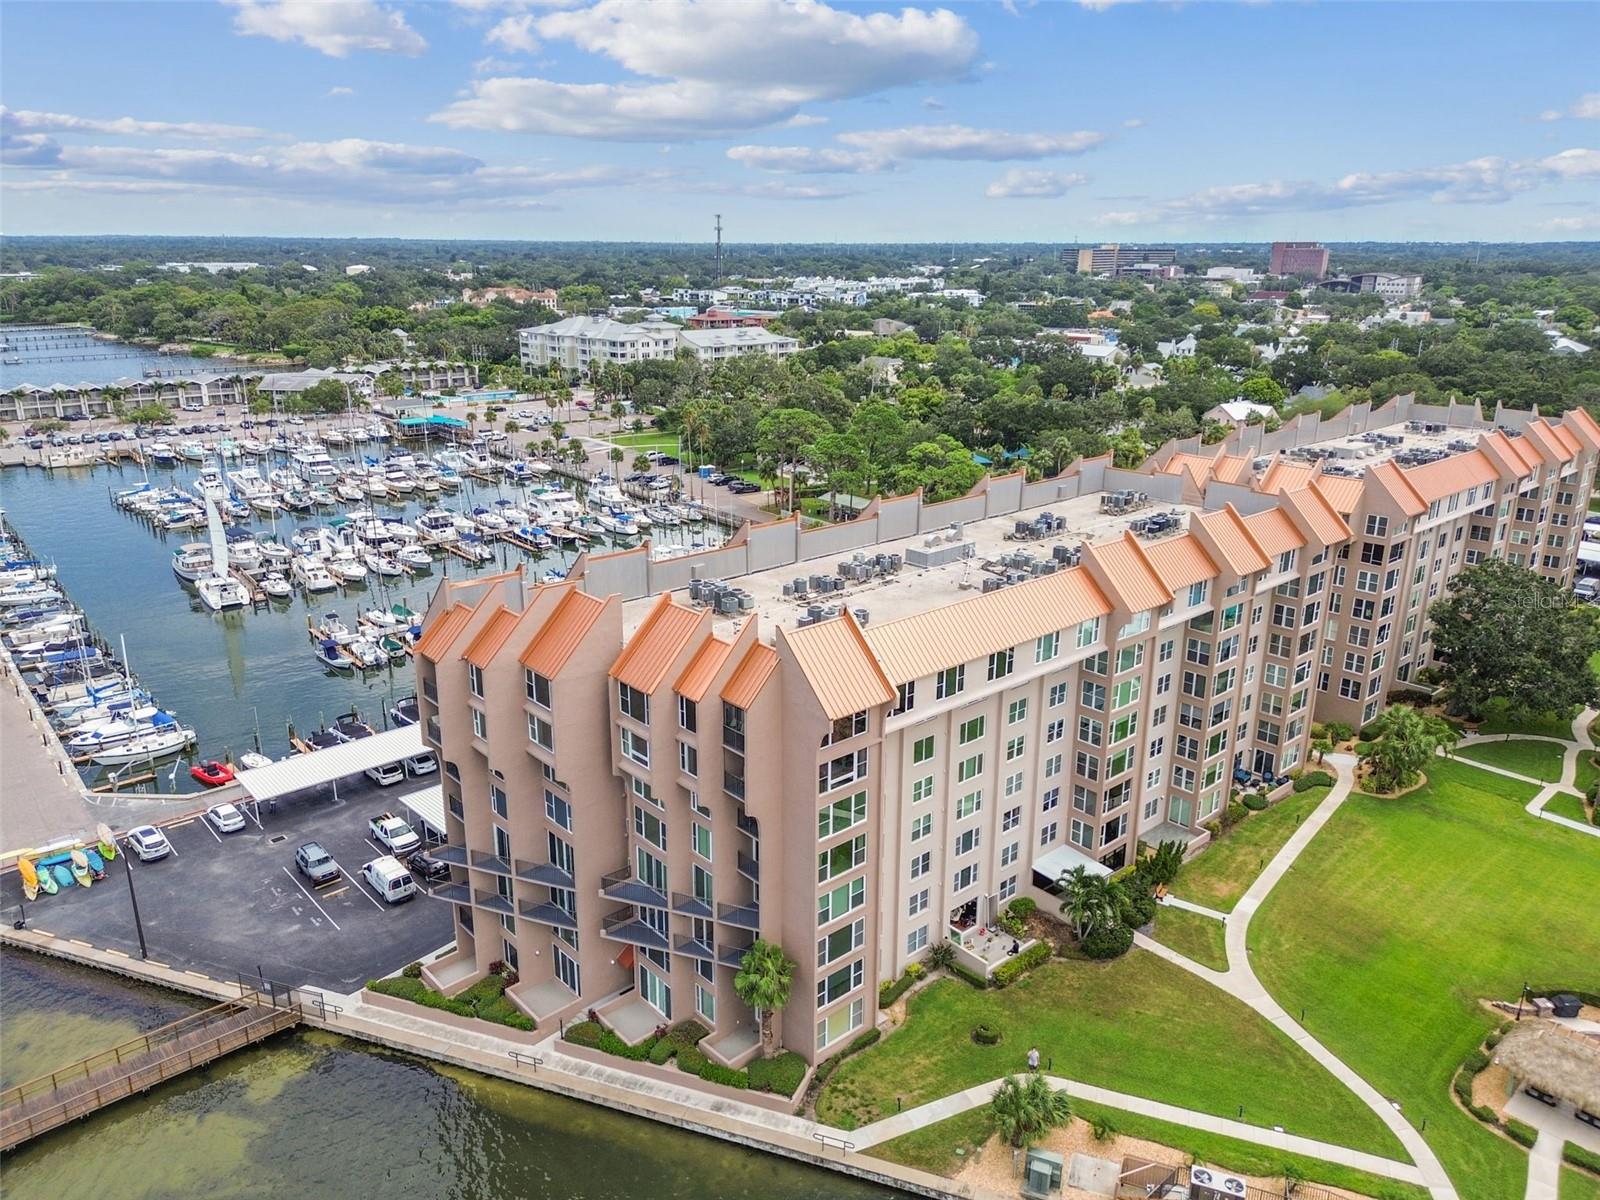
x,y
633,703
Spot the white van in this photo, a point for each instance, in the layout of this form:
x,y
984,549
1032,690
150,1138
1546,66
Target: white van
x,y
389,879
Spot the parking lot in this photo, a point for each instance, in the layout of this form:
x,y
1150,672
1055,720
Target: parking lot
x,y
233,903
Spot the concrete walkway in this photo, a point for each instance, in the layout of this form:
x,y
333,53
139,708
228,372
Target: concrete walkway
x,y
1544,1168
41,799
1189,906
1573,747
973,1097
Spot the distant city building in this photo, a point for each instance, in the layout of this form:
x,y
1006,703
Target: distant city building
x,y
732,318
1233,274
1298,258
577,341
1182,348
483,297
1115,259
716,345
1567,347
888,327
1238,412
357,269
210,268
281,385
1389,286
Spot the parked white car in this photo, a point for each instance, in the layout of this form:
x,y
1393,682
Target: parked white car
x,y
422,764
386,774
149,843
225,818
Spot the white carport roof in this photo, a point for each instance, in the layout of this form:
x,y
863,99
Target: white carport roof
x,y
1057,862
1589,552
301,771
427,805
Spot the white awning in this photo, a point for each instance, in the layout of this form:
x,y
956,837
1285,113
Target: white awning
x,y
1589,552
427,805
1057,862
301,771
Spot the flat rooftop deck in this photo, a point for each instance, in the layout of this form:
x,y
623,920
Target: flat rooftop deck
x,y
916,589
1355,454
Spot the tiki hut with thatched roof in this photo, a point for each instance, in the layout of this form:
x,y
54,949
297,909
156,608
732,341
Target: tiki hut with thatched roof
x,y
1558,1061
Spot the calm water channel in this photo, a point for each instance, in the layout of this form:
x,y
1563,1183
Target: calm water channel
x,y
312,1114
228,675
62,355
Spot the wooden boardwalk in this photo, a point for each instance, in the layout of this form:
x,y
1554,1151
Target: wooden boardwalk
x,y
43,1104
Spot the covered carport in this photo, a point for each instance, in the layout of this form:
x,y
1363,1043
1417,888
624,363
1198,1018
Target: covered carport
x,y
326,767
427,806
1049,867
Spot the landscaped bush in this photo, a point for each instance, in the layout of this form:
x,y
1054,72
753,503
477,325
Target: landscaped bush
x,y
1255,801
781,1074
986,1034
972,977
664,1049
1339,731
1524,1133
1232,813
691,1060
483,1000
1578,1156
585,1033
1138,910
412,970
892,989
1102,1126
688,1033
612,1044
1022,906
940,955
728,1077
1313,779
1012,924
1019,965
860,1042
1109,941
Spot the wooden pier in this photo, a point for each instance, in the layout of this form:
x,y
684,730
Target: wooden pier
x,y
135,1066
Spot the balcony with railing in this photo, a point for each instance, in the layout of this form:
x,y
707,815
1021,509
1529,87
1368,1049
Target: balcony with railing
x,y
742,916
622,884
748,824
482,860
546,873
733,784
456,893
686,905
694,948
430,692
431,732
626,925
455,856
749,867
731,954
493,902
546,912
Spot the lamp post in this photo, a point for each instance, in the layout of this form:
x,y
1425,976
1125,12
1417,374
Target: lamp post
x,y
138,925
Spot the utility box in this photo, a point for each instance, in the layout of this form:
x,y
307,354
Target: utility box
x,y
1041,1175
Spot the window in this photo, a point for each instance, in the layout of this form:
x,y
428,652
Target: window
x,y
971,730
950,682
475,680
921,864
839,1024
633,703
1009,853
843,858
705,1002
1125,693
635,747
1090,731
843,899
538,688
1017,711
567,971
703,882
965,878
839,984
921,826
700,839
917,939
1001,662
1082,834
968,841
1015,748
1130,657
1124,727
480,725
650,827
922,749
558,810
1008,886
1088,632
733,727
1048,833
838,772
846,727
921,789
1092,695
905,698
969,768
1051,799
1046,647
1113,829
1058,695
1377,526
1011,818
1197,593
971,803
688,759
541,732
1087,765
1055,731
688,716
918,903
841,815
497,801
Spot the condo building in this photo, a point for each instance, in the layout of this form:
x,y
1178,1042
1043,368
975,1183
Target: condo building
x,y
858,741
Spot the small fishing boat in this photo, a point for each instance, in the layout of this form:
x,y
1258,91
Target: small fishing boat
x,y
404,712
331,657
416,558
80,868
30,878
393,647
368,652
382,565
97,865
251,760
211,774
63,875
275,585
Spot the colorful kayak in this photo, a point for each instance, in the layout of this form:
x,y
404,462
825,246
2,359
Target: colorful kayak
x,y
97,865
30,878
80,868
63,875
47,883
108,841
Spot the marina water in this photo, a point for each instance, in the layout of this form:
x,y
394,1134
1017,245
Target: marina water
x,y
313,1114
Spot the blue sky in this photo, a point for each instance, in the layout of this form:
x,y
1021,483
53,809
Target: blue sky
x,y
801,120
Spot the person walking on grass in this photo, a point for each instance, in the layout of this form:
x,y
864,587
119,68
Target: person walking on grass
x,y
1033,1059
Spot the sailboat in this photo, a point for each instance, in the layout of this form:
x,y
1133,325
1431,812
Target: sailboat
x,y
218,590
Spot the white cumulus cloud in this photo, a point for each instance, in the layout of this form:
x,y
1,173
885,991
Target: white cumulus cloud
x,y
1585,108
514,34
961,142
337,28
28,121
1021,183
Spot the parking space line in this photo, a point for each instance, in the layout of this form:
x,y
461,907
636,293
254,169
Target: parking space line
x,y
381,851
311,898
340,892
211,831
356,883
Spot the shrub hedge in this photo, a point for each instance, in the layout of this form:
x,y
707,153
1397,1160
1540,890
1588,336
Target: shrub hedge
x,y
1579,1156
728,1077
1022,906
1016,967
1139,911
972,977
483,1000
1255,801
893,989
1110,941
986,1034
781,1074
585,1033
664,1049
691,1061
1522,1132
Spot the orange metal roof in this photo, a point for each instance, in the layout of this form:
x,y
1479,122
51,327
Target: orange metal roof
x,y
703,668
1283,474
1524,453
1124,562
1393,480
839,665
919,645
1274,531
441,634
1325,521
1199,464
562,632
1568,439
1243,554
1584,425
751,675
1540,432
1451,475
490,637
656,644
1341,491
1232,468
1180,561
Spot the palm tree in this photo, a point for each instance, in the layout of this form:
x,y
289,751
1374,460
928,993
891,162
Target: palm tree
x,y
762,981
1024,1110
1404,740
1089,901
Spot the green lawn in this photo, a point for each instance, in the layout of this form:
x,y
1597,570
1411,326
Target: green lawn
x,y
1577,1185
1564,804
1537,760
1198,937
1498,720
1403,914
1588,772
935,1148
1138,1024
649,439
1224,870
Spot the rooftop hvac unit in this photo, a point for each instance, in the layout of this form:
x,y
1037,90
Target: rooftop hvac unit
x,y
727,603
746,601
806,619
788,588
991,584
799,586
814,611
816,583
860,615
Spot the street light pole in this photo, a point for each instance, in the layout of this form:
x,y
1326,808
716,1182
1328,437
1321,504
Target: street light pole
x,y
127,854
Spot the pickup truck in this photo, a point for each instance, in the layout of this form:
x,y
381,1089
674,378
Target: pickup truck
x,y
393,834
